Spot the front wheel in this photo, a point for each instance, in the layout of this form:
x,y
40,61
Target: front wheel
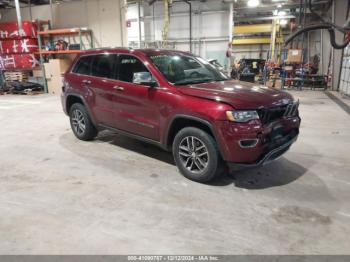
x,y
196,155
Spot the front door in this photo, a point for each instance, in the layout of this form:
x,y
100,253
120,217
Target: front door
x,y
136,106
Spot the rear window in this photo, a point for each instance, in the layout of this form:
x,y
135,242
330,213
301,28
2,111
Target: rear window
x,y
104,65
83,65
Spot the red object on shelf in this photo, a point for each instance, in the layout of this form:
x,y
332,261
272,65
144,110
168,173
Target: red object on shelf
x,y
17,49
20,61
10,30
19,46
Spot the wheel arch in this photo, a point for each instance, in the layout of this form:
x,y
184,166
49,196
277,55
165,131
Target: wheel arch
x,y
179,122
77,98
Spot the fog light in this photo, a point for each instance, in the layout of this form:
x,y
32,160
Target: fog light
x,y
246,143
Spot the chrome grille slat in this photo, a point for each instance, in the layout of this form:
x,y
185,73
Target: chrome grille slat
x,y
268,115
289,108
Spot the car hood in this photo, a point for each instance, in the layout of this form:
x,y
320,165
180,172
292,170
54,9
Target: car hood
x,y
240,95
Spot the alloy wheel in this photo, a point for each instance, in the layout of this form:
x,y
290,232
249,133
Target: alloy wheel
x,y
193,154
78,122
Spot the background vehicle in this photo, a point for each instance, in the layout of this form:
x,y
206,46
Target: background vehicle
x,y
254,65
181,103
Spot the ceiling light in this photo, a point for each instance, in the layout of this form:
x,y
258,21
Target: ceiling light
x,y
282,13
253,3
283,22
279,5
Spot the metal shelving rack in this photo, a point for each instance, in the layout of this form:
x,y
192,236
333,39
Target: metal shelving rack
x,y
65,32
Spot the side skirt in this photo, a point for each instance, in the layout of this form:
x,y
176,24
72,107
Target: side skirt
x,y
134,136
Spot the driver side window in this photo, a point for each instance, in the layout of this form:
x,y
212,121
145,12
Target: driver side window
x,y
128,66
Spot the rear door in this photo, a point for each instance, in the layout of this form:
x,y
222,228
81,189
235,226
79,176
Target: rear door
x,y
137,109
103,80
80,77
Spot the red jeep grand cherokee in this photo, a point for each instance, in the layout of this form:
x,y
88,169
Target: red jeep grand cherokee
x,y
182,103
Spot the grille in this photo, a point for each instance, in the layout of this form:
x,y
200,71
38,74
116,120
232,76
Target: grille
x,y
268,115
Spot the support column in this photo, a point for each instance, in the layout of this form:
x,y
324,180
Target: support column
x,y
51,14
231,25
19,17
139,22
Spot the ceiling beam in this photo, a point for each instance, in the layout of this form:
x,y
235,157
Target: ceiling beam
x,y
271,7
261,18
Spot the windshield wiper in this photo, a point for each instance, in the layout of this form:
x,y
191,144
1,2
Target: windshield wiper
x,y
193,81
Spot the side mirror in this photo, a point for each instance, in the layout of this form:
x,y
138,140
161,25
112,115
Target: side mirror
x,y
144,78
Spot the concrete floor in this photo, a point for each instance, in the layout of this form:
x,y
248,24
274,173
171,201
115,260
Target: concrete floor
x,y
116,195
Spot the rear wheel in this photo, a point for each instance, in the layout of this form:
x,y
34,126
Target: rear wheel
x,y
196,155
81,123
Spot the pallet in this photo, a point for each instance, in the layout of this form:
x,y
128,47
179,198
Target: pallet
x,y
16,76
28,92
34,93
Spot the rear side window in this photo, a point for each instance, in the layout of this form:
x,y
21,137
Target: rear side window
x,y
128,65
103,65
83,65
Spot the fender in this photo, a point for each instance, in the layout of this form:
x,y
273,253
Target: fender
x,y
85,104
194,118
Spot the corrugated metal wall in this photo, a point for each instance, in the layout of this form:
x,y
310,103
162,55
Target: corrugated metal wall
x,y
344,86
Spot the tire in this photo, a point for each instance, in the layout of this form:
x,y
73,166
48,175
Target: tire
x,y
198,163
79,118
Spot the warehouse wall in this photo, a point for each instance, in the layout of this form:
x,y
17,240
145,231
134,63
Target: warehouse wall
x,y
210,27
132,16
344,86
105,17
251,51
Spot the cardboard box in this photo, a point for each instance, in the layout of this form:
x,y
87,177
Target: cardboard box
x,y
37,73
56,67
275,84
269,84
54,85
295,56
47,70
278,84
59,66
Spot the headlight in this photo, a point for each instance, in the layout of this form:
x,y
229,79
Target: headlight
x,y
242,116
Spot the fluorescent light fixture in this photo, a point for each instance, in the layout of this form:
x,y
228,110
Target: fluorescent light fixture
x,y
253,3
283,22
282,13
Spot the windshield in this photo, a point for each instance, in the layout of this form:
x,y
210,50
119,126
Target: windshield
x,y
181,69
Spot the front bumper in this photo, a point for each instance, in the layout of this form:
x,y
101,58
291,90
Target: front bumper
x,y
269,138
268,157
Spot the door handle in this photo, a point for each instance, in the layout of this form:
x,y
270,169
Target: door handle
x,y
118,88
88,82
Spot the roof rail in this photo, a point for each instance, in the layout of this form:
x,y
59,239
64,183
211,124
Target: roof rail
x,y
104,48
